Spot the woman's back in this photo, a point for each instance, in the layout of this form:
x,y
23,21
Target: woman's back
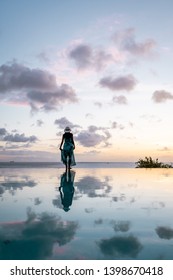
x,y
68,136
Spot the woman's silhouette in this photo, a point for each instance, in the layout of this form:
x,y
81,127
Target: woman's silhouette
x,y
67,155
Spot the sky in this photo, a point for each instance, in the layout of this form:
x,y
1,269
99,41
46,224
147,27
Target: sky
x,y
104,68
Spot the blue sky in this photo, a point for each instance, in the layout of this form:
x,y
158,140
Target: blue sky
x,y
102,67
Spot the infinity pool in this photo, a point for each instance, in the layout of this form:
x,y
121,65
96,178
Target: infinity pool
x,y
91,213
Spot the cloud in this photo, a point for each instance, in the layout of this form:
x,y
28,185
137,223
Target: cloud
x,y
89,115
94,128
92,153
40,123
160,96
13,143
82,56
120,83
22,155
63,122
126,40
87,139
9,146
99,104
91,138
43,57
120,246
3,132
164,149
16,137
121,99
17,76
115,125
50,100
86,57
20,138
35,87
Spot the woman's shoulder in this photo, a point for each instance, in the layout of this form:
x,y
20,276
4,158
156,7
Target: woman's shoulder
x,y
68,134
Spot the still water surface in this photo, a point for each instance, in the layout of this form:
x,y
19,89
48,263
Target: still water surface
x,y
94,213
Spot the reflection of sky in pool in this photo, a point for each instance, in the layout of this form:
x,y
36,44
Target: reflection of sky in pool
x,y
106,213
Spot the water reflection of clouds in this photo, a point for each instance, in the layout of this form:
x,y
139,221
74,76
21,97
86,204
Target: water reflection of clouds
x,y
125,244
118,225
87,185
122,226
103,229
1,190
121,197
154,205
120,246
164,232
93,186
37,201
157,204
124,197
99,221
35,238
57,202
89,210
12,185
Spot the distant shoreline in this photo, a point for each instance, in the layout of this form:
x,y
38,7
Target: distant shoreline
x,y
13,164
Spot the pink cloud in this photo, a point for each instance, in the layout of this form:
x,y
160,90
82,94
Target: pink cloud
x,y
160,96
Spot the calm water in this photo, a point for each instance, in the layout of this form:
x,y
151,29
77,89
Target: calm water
x,y
95,213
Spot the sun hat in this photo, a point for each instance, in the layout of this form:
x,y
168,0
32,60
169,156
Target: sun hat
x,y
67,129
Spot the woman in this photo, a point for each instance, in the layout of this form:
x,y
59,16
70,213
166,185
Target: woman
x,y
67,155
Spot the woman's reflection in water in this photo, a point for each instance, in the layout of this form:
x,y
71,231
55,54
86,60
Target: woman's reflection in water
x,y
67,189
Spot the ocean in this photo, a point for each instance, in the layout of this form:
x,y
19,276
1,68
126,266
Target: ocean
x,y
13,164
97,211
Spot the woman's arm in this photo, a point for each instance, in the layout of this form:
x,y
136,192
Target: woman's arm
x,y
73,141
61,142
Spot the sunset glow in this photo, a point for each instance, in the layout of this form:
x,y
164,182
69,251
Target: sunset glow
x,y
104,68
